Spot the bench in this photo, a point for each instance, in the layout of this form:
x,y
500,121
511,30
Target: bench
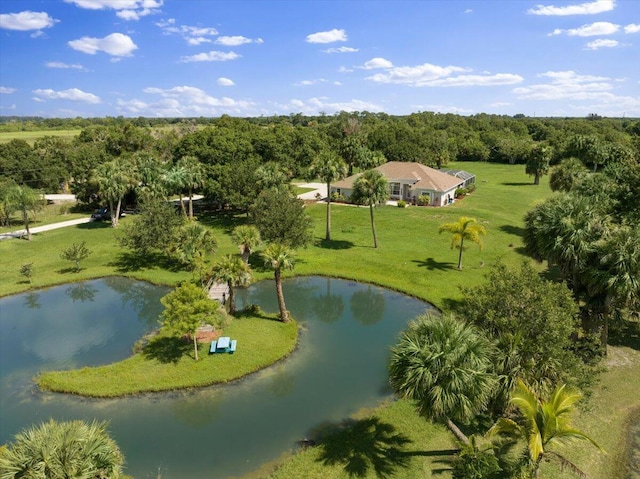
x,y
232,347
212,349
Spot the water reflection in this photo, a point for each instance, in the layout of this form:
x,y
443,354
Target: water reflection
x,y
81,292
31,300
367,306
328,307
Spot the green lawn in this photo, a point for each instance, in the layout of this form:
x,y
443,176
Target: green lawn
x,y
53,213
412,258
31,136
168,363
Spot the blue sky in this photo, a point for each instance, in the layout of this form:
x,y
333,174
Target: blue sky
x,y
184,58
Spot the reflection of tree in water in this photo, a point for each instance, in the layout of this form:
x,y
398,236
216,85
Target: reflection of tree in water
x,y
197,408
143,297
81,292
282,382
328,308
298,294
367,306
31,300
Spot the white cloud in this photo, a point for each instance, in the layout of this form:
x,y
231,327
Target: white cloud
x,y
8,107
590,30
310,82
342,50
192,35
236,40
6,90
62,65
500,104
601,43
125,9
331,36
314,106
26,20
73,94
589,8
116,44
468,10
443,109
632,28
567,85
222,81
185,101
212,56
377,63
433,76
344,69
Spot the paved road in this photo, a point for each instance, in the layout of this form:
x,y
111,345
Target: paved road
x,y
39,229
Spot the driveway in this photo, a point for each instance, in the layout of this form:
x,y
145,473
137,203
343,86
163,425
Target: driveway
x,y
40,229
318,189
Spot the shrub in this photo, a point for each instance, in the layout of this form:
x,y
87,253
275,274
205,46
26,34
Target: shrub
x,y
423,200
402,204
471,188
336,197
460,192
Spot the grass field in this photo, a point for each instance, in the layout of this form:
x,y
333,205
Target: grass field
x,y
31,136
53,213
412,258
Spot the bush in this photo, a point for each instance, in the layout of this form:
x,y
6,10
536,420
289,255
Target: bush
x,y
402,204
461,192
336,197
423,200
471,188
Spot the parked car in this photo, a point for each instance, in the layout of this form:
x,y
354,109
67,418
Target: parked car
x,y
104,214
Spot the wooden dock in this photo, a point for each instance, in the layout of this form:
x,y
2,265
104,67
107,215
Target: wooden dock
x,y
219,292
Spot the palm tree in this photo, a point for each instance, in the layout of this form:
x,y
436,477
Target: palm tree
x,y
371,189
329,168
63,449
233,271
271,176
175,179
194,176
278,256
464,229
542,424
247,237
193,242
113,183
445,366
25,199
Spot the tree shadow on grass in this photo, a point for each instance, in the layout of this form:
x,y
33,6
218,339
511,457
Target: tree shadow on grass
x,y
225,220
167,349
513,230
363,445
130,261
334,244
518,183
431,264
627,334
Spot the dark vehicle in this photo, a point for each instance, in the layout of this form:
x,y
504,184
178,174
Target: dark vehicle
x,y
104,214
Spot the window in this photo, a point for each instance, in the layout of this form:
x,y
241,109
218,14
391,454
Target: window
x,y
394,189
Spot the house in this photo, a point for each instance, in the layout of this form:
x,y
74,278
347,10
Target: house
x,y
410,180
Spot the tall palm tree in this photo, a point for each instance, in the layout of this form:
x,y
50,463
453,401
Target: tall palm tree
x,y
175,180
114,180
278,256
193,242
235,273
371,189
194,177
63,449
464,229
25,199
247,237
329,167
542,424
445,366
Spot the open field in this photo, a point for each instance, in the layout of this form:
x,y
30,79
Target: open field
x,y
412,258
31,136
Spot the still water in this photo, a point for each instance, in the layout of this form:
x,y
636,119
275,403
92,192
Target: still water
x,y
338,368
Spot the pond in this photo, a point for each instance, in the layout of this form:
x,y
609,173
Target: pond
x,y
338,368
